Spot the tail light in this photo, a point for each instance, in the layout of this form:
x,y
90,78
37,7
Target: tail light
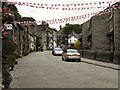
x,y
79,55
69,55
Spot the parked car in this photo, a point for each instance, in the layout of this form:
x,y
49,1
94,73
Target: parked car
x,y
49,48
57,51
71,54
41,49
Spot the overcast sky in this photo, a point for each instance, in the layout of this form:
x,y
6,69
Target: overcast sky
x,y
49,14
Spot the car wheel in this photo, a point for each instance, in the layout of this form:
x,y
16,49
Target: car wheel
x,y
62,58
79,60
65,59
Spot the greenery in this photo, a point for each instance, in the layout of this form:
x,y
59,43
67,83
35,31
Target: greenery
x,y
8,47
6,77
14,10
77,45
72,27
26,52
8,58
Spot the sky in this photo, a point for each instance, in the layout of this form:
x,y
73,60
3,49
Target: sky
x,y
40,14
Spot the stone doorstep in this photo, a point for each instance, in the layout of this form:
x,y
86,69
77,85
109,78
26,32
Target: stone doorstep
x,y
103,64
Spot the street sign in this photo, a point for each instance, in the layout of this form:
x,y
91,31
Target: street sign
x,y
9,26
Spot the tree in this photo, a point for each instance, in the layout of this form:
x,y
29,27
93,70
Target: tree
x,y
77,45
72,27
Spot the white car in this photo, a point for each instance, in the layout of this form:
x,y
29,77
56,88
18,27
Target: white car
x,y
57,51
71,54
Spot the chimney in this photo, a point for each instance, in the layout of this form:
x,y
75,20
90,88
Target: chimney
x,y
60,27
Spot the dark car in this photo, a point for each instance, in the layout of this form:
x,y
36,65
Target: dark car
x,y
41,49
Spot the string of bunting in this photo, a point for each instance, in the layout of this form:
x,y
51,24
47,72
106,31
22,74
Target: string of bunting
x,y
73,18
63,6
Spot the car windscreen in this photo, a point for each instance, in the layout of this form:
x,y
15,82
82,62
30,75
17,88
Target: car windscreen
x,y
72,51
58,49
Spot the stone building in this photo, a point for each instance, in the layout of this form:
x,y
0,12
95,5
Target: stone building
x,y
103,33
46,34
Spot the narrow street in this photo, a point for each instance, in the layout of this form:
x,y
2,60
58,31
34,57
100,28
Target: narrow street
x,y
43,70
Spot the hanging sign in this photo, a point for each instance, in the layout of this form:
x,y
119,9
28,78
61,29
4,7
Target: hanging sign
x,y
9,26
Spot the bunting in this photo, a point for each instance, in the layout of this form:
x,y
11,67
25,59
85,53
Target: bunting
x,y
77,6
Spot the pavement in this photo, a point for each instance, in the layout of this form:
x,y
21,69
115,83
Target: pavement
x,y
102,64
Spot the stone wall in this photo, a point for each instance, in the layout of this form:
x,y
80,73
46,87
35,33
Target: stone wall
x,y
85,33
104,56
100,28
117,36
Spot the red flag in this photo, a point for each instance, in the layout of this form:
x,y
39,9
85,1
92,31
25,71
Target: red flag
x,y
88,8
103,2
79,17
86,4
52,5
41,5
100,3
23,3
15,2
67,5
82,4
107,2
19,3
95,3
82,16
90,3
63,5
111,1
